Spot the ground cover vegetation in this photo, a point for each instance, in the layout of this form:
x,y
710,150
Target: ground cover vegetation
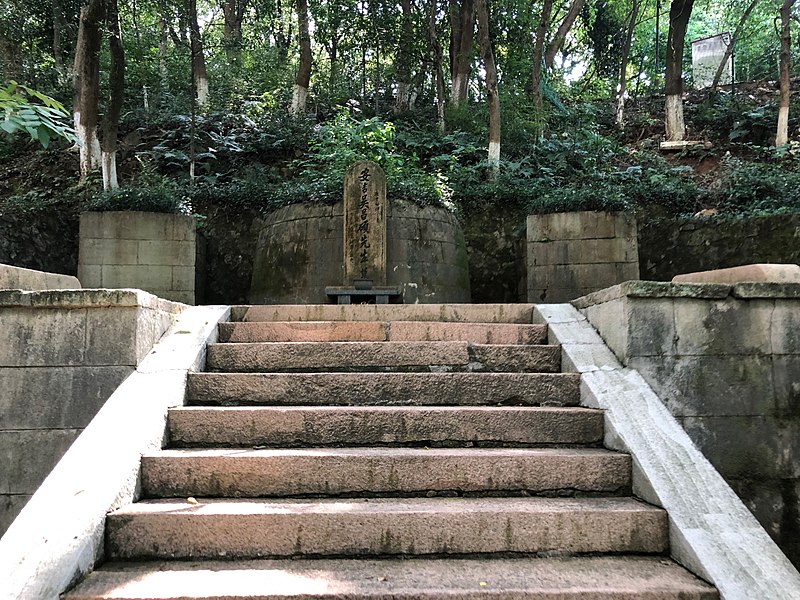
x,y
175,105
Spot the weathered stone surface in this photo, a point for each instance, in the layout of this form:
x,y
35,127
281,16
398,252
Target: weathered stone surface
x,y
247,529
17,278
517,358
43,552
152,251
711,531
27,395
333,356
300,247
303,331
29,455
365,223
336,471
477,333
771,273
10,507
504,579
572,254
379,425
529,389
455,313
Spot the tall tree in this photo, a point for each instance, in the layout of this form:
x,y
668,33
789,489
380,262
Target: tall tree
x,y
679,13
538,50
462,32
438,60
86,84
782,135
59,25
199,74
233,16
116,84
404,58
561,33
492,97
729,49
303,79
622,83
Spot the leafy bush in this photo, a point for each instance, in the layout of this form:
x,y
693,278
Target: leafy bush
x,y
42,117
758,187
162,195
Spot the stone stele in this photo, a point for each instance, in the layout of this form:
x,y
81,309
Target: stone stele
x,y
365,223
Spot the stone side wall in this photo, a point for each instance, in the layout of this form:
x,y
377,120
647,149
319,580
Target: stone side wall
x,y
573,254
300,252
17,278
673,247
725,359
149,251
64,353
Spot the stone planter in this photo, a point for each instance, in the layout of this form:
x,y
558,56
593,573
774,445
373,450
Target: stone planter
x,y
155,252
300,252
573,254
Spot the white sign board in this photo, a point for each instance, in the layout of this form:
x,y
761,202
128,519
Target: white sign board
x,y
707,54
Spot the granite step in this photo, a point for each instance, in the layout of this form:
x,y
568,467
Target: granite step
x,y
401,356
248,528
383,471
291,426
382,331
567,578
463,389
453,313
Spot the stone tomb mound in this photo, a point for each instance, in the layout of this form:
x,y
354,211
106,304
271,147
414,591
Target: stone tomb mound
x,y
365,248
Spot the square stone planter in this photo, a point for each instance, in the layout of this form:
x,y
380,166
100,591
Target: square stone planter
x,y
575,253
154,252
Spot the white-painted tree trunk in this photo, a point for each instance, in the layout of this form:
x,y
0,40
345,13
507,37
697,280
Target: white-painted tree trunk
x,y
782,134
676,128
299,96
109,170
494,156
401,103
89,145
202,91
457,85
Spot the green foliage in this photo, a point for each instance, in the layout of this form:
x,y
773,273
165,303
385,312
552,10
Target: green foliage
x,y
39,115
758,188
151,194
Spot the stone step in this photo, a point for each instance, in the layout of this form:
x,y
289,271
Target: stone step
x,y
381,425
382,471
247,528
567,578
382,331
458,313
528,389
405,356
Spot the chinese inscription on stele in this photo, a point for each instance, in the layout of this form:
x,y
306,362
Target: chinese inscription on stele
x,y
365,223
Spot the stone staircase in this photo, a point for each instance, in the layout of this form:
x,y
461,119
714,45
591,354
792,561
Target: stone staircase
x,y
384,452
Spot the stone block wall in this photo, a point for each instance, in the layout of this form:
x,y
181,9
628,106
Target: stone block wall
x,y
572,254
17,278
64,353
725,359
154,252
300,252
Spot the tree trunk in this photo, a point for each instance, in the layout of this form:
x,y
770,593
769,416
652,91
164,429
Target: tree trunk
x,y
116,82
404,59
59,25
233,15
462,52
438,60
86,84
303,79
561,34
729,49
619,116
538,50
679,13
198,58
782,135
163,39
492,97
